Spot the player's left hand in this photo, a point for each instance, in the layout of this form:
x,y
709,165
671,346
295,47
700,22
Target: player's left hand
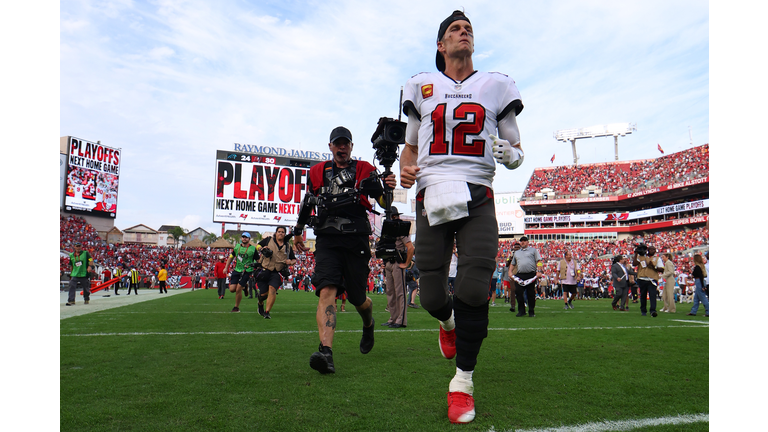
x,y
506,154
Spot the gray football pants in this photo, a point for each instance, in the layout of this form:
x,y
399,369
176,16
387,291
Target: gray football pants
x,y
477,242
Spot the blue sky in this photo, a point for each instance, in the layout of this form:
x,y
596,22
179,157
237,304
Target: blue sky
x,y
170,82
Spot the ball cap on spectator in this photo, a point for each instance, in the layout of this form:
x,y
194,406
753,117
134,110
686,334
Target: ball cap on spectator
x,y
78,243
523,238
457,15
341,132
246,234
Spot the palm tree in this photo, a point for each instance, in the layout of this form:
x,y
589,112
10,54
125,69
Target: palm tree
x,y
178,233
228,237
210,238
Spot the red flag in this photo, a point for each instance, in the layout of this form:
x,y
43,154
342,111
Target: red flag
x,y
553,158
659,146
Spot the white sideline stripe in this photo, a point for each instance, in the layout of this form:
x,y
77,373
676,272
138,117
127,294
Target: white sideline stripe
x,y
354,331
706,323
622,425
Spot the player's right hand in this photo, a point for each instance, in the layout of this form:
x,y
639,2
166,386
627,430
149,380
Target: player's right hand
x,y
299,243
408,176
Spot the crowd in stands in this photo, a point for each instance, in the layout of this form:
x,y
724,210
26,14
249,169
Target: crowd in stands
x,y
594,255
569,180
146,258
589,253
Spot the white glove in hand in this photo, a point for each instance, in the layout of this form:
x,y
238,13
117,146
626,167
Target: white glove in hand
x,y
505,154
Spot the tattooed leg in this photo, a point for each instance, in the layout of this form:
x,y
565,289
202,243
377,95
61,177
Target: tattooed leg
x,y
326,315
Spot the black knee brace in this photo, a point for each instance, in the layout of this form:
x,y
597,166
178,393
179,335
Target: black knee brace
x,y
444,313
471,329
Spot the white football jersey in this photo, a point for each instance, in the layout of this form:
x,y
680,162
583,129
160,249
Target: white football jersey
x,y
456,121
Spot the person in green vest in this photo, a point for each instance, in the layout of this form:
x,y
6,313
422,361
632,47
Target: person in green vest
x,y
81,263
245,256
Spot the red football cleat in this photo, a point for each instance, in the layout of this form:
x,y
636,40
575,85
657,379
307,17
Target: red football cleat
x,y
461,407
447,343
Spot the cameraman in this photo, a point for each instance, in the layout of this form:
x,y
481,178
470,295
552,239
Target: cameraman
x,y
276,257
394,271
342,251
647,276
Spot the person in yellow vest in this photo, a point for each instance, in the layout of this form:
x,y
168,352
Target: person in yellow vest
x,y
162,277
118,274
135,278
276,257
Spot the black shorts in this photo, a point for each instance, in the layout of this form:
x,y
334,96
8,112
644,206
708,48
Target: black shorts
x,y
267,279
241,279
569,288
342,261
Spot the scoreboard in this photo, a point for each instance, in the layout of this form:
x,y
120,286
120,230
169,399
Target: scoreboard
x,y
92,178
259,190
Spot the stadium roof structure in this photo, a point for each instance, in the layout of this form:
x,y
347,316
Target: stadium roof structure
x,y
221,243
196,243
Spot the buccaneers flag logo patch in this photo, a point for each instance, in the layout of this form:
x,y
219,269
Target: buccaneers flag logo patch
x,y
426,91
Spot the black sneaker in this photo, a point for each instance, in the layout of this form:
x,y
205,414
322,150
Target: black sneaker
x,y
235,309
366,343
267,316
520,314
261,309
654,314
530,315
322,360
511,309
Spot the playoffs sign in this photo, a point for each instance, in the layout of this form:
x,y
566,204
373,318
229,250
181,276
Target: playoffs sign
x,y
93,174
261,190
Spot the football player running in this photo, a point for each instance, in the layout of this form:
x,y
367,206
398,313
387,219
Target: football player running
x,y
461,122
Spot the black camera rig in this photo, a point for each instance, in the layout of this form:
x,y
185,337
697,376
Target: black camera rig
x,y
389,134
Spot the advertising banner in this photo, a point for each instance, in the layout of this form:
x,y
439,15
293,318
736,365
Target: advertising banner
x,y
509,215
605,217
93,176
259,190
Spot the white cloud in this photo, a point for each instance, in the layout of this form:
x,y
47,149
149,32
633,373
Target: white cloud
x,y
160,53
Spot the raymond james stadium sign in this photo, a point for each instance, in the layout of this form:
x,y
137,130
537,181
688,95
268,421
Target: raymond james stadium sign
x,y
289,153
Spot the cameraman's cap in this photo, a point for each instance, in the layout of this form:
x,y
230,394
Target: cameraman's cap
x,y
455,16
341,132
395,212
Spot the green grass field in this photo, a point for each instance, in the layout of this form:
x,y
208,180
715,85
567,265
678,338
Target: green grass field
x,y
185,363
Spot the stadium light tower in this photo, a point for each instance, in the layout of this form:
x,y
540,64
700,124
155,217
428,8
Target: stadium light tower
x,y
614,129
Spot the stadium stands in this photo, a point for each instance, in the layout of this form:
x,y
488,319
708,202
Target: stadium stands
x,y
620,177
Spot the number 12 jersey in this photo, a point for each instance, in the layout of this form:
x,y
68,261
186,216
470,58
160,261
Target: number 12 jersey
x,y
456,121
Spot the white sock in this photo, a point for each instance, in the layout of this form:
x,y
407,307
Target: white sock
x,y
462,382
448,324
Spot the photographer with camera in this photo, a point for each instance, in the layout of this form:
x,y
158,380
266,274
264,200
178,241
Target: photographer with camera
x,y
339,190
648,267
451,151
276,257
394,271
